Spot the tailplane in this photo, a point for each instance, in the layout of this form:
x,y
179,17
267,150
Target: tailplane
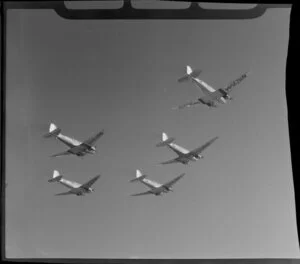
x,y
189,74
54,131
56,177
139,176
165,140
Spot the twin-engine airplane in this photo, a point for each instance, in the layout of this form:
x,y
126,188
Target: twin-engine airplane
x,y
212,97
76,188
77,148
155,187
184,155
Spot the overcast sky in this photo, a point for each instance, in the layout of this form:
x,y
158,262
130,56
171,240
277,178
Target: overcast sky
x,y
121,76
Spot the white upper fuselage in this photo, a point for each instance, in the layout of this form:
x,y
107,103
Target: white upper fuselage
x,y
73,143
155,187
182,152
75,185
151,184
205,88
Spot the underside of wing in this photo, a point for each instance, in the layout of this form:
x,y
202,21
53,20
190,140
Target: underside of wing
x,y
234,83
78,150
203,147
90,182
212,98
188,104
216,95
91,141
143,193
172,182
64,193
178,149
169,161
61,154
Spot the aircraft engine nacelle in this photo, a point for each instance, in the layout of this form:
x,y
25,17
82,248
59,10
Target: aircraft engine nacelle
x,y
212,104
225,95
198,156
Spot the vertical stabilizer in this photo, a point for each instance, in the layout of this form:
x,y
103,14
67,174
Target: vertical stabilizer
x,y
139,176
188,70
138,173
56,177
165,140
54,131
164,136
190,74
52,127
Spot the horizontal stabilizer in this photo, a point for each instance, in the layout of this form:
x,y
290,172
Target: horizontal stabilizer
x,y
56,179
165,142
195,73
184,78
139,176
189,74
53,131
138,179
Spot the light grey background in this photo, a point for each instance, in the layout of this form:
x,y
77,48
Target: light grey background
x,y
238,202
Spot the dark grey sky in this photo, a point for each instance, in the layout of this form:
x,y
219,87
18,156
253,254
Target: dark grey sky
x,y
237,202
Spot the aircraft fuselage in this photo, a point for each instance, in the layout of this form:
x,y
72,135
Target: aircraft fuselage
x,y
207,89
184,155
76,147
76,187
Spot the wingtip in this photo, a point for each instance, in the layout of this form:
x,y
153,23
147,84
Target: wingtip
x,y
249,72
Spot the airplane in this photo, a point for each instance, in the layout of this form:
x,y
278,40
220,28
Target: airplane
x,y
184,155
77,148
155,187
212,97
76,188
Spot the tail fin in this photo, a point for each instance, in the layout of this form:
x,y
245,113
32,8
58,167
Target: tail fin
x,y
56,177
188,70
165,140
53,131
189,74
139,176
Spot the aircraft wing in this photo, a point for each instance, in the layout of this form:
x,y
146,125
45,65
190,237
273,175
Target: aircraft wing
x,y
143,193
64,193
169,161
212,97
188,104
61,154
172,182
90,182
203,147
234,83
91,141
